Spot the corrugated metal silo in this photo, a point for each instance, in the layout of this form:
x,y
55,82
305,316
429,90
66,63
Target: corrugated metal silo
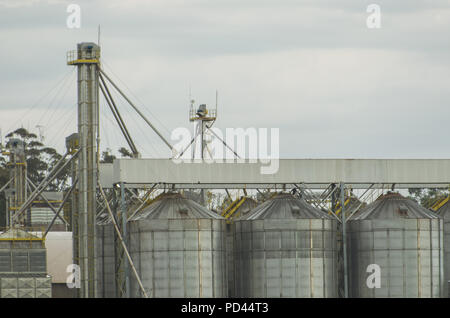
x,y
285,248
105,241
23,266
444,212
404,240
179,249
247,205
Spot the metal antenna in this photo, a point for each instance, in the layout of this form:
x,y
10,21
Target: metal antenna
x,y
217,98
98,35
41,135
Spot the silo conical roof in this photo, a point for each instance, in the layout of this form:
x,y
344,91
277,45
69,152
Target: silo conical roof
x,y
285,206
393,206
444,211
247,206
175,206
16,233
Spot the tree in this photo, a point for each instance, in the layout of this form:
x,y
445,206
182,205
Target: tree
x,y
107,156
427,197
125,153
40,159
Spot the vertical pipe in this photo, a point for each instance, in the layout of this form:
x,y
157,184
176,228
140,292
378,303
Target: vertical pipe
x,y
87,168
123,205
74,221
344,239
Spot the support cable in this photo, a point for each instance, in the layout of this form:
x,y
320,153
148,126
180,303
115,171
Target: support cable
x,y
6,185
46,200
122,242
41,187
117,116
212,131
138,111
146,197
61,207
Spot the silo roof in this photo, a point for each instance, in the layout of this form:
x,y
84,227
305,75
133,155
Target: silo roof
x,y
175,206
285,206
17,234
394,206
246,206
444,211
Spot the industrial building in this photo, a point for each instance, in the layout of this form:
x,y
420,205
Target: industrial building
x,y
131,232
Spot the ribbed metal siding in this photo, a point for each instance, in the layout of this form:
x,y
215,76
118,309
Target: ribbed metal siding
x,y
230,259
179,257
43,216
106,261
286,258
447,254
408,252
444,212
23,260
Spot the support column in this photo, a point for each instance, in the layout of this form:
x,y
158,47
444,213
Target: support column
x,y
126,271
74,220
344,239
87,61
18,188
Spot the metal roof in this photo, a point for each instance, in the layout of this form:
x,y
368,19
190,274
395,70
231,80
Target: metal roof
x,y
444,211
247,206
285,206
393,206
175,206
16,233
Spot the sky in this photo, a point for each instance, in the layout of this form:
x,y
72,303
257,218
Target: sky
x,y
313,69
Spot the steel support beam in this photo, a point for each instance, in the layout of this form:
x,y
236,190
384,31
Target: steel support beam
x,y
315,173
344,238
123,214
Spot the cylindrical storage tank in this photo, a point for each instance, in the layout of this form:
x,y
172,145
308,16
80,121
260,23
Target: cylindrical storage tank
x,y
395,250
246,206
178,248
285,248
444,212
23,265
105,257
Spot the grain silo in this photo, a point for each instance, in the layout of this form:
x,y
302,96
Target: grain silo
x,y
285,248
178,248
23,266
236,209
105,257
402,240
444,212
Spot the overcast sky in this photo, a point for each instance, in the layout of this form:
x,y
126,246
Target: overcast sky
x,y
312,68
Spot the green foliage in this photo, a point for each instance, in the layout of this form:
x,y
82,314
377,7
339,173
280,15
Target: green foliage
x,y
40,161
107,157
125,153
427,197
